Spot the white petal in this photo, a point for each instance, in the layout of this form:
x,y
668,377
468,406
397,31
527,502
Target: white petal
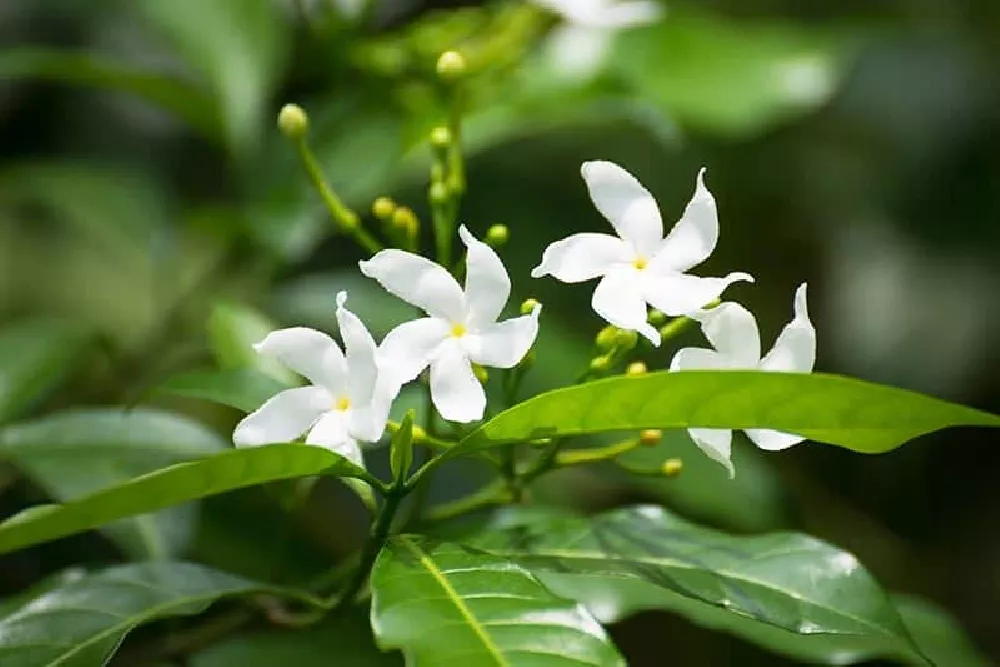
x,y
503,345
795,349
331,433
627,205
487,285
618,299
582,257
419,281
698,359
732,330
694,236
772,440
310,353
361,349
284,417
680,294
368,423
631,14
409,348
576,51
455,391
717,445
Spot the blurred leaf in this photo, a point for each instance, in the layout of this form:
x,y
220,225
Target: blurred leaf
x,y
36,356
82,623
179,98
443,605
730,77
938,634
170,486
245,389
788,592
233,330
862,416
73,454
237,47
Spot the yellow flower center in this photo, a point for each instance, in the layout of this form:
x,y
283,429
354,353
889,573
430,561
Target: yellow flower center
x,y
457,330
639,263
342,403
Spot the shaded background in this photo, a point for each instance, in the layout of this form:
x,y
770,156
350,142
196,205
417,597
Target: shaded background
x,y
853,145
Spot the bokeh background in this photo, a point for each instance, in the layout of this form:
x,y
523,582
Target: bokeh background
x,y
147,199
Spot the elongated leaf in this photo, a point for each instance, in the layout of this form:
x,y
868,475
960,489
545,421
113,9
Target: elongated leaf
x,y
938,634
858,415
788,592
245,389
233,329
170,486
81,623
35,357
443,605
73,454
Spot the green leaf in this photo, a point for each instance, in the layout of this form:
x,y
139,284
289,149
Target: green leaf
x,y
938,634
858,415
401,449
443,605
170,486
36,356
787,592
82,623
245,389
73,454
233,329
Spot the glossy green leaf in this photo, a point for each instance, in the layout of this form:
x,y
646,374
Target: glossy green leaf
x,y
76,453
858,415
938,634
245,389
35,357
82,622
788,592
233,329
170,486
443,605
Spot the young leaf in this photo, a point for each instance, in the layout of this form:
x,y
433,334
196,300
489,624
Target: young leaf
x,y
245,389
82,622
858,415
788,592
401,449
445,606
176,484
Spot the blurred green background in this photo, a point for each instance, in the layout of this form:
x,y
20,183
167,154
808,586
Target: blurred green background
x,y
145,192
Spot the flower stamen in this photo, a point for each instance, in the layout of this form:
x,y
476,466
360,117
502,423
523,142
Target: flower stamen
x,y
342,404
458,330
640,263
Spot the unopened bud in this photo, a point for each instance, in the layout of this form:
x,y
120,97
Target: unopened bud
x,y
480,373
450,65
626,339
528,306
438,193
606,337
497,235
672,467
404,219
293,121
383,208
636,368
656,317
440,137
600,364
650,437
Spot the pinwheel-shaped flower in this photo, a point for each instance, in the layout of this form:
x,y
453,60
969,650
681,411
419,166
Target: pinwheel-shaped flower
x,y
345,402
461,329
732,330
640,266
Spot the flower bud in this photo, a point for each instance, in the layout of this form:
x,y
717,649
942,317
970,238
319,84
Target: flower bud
x,y
656,317
650,437
600,364
672,467
438,193
480,373
405,220
626,339
528,306
450,65
636,368
383,208
497,235
606,337
293,121
440,137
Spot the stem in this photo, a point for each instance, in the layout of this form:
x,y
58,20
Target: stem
x,y
493,494
595,455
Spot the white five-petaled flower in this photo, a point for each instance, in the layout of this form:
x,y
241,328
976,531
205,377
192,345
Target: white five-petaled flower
x,y
345,402
733,332
461,329
640,266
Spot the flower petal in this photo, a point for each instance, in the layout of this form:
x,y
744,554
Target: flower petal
x,y
795,349
630,14
697,359
331,433
503,345
772,441
368,423
487,285
284,417
694,236
361,350
409,348
680,294
732,330
717,445
455,391
628,206
419,281
582,257
618,299
310,353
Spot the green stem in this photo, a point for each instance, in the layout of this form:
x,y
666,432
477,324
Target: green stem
x,y
376,540
491,495
595,455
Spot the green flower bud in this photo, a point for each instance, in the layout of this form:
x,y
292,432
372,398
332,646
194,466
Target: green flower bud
x,y
607,336
672,467
528,306
497,235
383,208
656,317
440,137
450,65
650,437
636,368
600,364
626,339
404,219
438,193
293,121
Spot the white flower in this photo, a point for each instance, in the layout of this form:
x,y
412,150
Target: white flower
x,y
641,267
461,328
732,330
345,402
